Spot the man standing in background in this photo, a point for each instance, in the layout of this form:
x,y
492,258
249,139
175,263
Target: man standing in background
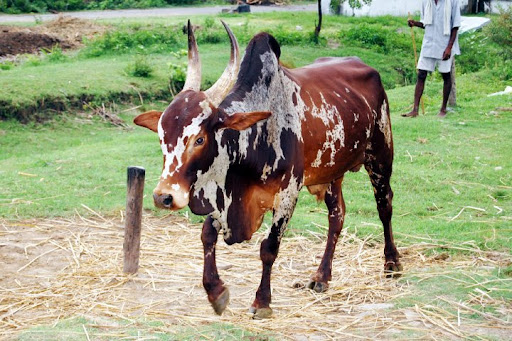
x,y
441,21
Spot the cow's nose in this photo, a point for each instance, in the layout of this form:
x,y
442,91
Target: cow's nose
x,y
162,200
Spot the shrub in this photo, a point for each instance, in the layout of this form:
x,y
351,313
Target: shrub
x,y
40,6
367,36
55,54
178,74
6,65
500,30
134,39
139,68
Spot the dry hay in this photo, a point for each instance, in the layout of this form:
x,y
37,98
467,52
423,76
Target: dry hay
x,y
65,32
54,269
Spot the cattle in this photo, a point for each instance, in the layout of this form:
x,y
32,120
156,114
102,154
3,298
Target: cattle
x,y
248,144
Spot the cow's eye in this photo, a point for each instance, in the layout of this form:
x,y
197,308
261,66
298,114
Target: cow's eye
x,y
199,141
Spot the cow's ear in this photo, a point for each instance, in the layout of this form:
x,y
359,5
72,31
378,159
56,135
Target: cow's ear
x,y
243,120
149,120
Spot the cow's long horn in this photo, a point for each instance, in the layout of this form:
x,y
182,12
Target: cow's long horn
x,y
193,81
220,89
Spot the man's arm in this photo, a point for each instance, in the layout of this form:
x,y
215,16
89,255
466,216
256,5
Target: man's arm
x,y
448,51
412,23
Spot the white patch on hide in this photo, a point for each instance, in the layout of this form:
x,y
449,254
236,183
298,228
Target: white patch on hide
x,y
384,124
211,180
335,131
173,154
265,173
284,203
277,98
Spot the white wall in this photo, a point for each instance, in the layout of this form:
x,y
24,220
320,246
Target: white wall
x,y
400,7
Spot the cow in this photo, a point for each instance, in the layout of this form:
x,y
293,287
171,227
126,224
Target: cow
x,y
249,143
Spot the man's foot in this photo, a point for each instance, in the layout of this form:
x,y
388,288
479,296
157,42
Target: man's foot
x,y
442,113
410,114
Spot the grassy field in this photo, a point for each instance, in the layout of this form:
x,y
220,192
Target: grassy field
x,y
441,166
452,177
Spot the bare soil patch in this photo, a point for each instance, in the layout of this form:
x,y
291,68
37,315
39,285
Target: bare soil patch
x,y
65,32
54,269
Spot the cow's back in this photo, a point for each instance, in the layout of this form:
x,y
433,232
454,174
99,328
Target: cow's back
x,y
344,98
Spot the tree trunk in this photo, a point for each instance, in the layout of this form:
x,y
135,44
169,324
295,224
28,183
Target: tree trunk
x,y
472,6
452,100
481,6
319,26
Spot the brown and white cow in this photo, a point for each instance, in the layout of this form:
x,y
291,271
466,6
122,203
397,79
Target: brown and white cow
x,y
238,150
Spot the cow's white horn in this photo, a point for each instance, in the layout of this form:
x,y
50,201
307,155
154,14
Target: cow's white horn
x,y
193,81
223,85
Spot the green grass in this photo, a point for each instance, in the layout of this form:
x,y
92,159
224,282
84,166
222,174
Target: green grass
x,y
441,166
100,72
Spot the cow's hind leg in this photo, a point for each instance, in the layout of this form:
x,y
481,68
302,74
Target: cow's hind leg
x,y
218,294
379,167
336,206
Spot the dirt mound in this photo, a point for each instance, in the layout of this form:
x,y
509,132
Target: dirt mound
x,y
65,32
12,43
72,29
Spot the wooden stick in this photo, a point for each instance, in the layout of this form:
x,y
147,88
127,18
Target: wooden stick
x,y
416,61
133,220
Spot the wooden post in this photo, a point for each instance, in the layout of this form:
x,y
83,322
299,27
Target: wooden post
x,y
452,100
133,218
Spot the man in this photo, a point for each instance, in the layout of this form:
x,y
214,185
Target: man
x,y
441,21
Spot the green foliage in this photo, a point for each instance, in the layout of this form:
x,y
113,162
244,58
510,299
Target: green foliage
x,y
211,33
178,70
293,36
336,5
500,31
367,36
41,6
55,54
139,68
124,4
33,60
6,65
135,40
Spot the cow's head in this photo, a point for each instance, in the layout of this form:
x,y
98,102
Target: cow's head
x,y
188,126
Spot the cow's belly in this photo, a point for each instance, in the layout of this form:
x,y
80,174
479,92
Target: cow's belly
x,y
329,153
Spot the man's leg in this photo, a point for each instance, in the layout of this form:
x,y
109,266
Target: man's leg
x,y
418,92
447,88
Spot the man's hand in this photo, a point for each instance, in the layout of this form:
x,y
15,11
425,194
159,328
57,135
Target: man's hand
x,y
412,23
447,53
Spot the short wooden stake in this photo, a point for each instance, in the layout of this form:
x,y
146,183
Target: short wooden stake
x,y
133,218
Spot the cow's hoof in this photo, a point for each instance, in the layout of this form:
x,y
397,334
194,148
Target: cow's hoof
x,y
260,313
393,269
220,304
318,286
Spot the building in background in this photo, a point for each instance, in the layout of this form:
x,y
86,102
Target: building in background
x,y
403,7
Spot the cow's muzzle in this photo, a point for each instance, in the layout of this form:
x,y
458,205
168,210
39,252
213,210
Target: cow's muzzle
x,y
163,200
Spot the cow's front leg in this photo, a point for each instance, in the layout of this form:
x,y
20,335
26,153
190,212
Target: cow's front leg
x,y
336,206
218,294
268,254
